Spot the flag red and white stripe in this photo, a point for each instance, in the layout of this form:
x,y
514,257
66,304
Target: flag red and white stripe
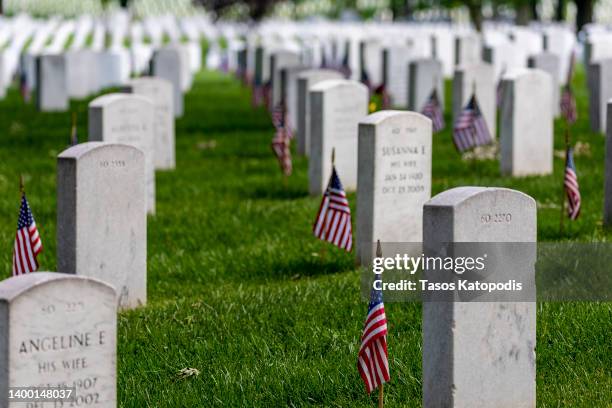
x,y
433,111
572,189
373,359
333,222
27,241
282,150
470,129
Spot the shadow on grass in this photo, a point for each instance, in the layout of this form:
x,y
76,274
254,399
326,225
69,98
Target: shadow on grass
x,y
297,269
275,191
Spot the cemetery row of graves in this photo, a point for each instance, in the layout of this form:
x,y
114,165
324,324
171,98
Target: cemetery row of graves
x,y
209,287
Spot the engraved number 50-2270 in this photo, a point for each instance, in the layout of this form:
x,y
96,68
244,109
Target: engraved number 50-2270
x,y
496,218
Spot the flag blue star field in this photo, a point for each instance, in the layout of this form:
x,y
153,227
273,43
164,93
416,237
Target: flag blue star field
x,y
572,188
470,129
333,223
27,241
373,360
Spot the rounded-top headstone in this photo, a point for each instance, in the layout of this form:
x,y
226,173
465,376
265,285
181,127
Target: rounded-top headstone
x,y
336,107
305,80
59,330
526,126
160,92
479,354
129,119
168,63
394,179
101,217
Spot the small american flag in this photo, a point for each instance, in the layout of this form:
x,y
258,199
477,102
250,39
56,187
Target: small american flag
x,y
470,129
344,66
267,95
257,97
333,222
568,105
280,118
27,241
373,360
385,98
571,185
365,79
499,93
282,151
323,62
24,88
433,110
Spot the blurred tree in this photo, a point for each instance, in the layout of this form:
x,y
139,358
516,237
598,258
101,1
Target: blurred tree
x,y
475,9
257,8
560,10
123,3
584,12
524,11
402,9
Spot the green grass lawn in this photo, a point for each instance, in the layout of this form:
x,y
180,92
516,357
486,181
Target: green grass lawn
x,y
237,285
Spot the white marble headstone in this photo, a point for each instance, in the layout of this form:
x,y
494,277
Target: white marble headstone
x,y
101,217
394,179
279,60
479,354
128,119
600,91
526,126
396,63
468,49
160,92
51,89
425,75
550,63
307,79
167,64
478,78
336,107
59,330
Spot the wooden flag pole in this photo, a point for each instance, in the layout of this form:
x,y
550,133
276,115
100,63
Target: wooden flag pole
x,y
21,185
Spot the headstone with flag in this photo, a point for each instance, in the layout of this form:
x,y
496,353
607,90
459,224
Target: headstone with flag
x,y
27,240
470,128
333,222
433,110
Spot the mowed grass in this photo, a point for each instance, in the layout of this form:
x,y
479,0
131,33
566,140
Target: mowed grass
x,y
240,290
